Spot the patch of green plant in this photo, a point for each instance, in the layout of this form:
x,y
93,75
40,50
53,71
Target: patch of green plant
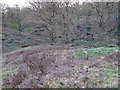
x,y
2,36
8,87
84,42
96,52
14,70
50,83
14,26
103,44
96,79
77,85
2,72
97,44
110,71
28,26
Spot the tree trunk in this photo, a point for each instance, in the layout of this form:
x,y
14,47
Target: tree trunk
x,y
3,20
100,36
20,28
52,37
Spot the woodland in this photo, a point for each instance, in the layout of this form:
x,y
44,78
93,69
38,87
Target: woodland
x,y
60,45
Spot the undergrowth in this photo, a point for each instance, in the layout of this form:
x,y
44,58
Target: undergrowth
x,y
97,51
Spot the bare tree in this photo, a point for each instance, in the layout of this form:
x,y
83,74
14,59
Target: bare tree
x,y
3,10
12,15
68,15
19,17
103,16
59,18
45,14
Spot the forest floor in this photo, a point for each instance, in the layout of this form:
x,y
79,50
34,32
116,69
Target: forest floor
x,y
52,66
